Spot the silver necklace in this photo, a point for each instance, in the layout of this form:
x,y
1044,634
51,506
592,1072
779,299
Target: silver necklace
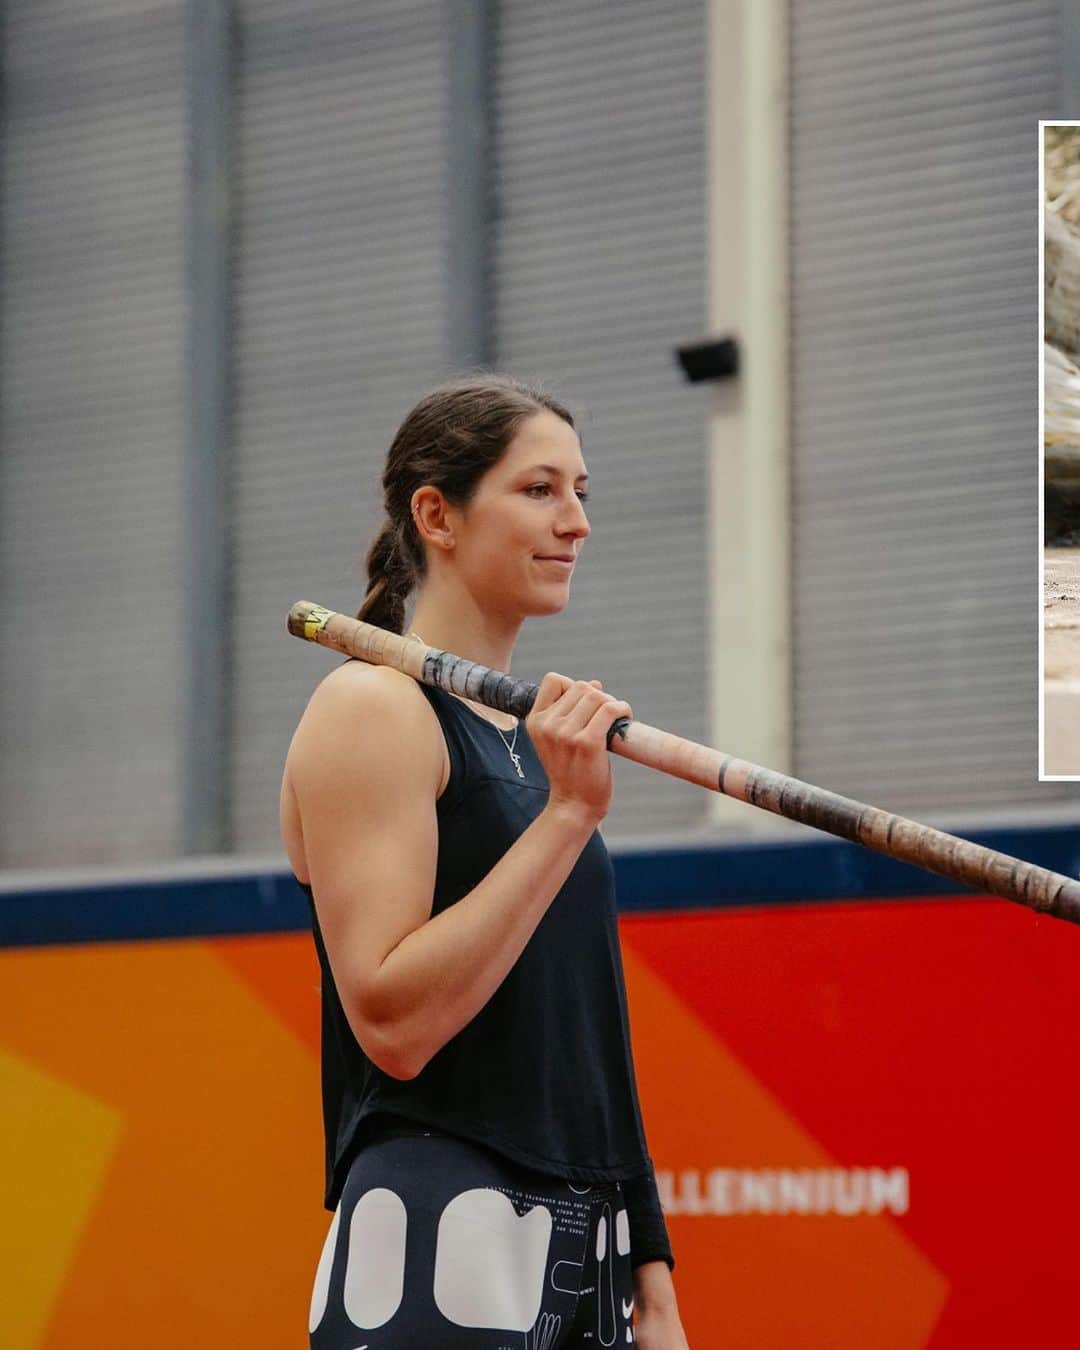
x,y
510,747
514,759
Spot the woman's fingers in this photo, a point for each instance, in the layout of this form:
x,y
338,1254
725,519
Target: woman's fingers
x,y
608,714
574,703
594,705
552,686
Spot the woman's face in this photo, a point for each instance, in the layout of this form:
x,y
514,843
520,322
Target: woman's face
x,y
528,509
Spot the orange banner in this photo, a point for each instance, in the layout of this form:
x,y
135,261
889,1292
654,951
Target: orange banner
x,y
861,1117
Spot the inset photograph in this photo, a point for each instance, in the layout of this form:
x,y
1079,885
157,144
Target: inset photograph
x,y
1060,756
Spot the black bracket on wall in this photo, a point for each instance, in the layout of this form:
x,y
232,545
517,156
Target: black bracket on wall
x,y
710,359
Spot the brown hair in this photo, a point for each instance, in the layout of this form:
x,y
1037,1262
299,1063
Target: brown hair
x,y
450,440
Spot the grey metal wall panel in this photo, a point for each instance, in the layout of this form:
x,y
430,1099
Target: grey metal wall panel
x,y
914,303
599,274
341,123
92,306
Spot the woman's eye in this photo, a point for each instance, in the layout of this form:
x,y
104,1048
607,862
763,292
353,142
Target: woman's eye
x,y
546,487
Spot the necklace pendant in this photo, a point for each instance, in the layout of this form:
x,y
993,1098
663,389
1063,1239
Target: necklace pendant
x,y
517,764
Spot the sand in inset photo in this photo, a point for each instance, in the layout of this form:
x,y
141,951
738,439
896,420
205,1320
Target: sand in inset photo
x,y
1061,660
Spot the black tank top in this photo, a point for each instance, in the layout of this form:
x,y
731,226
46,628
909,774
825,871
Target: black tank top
x,y
543,1073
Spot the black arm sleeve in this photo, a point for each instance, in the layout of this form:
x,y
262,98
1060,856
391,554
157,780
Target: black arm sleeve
x,y
648,1233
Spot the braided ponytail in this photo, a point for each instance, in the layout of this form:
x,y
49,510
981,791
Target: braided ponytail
x,y
390,580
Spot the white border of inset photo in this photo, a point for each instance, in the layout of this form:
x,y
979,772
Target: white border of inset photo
x,y
1069,688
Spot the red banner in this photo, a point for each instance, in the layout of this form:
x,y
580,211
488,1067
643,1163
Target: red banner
x,y
863,1118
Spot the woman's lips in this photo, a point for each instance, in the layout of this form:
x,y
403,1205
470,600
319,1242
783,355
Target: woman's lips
x,y
567,566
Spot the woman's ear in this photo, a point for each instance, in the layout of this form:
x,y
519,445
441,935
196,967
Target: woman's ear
x,y
431,516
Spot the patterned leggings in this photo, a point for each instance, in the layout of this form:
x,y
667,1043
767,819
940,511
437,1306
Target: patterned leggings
x,y
440,1243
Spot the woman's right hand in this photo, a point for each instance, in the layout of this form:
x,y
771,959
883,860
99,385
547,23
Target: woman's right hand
x,y
569,724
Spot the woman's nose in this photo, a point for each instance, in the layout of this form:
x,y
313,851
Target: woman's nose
x,y
577,522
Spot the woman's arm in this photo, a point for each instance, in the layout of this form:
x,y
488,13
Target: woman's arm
x,y
365,764
649,1239
657,1325
441,974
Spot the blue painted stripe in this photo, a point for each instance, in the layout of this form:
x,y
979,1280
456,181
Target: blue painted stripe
x,y
653,880
815,869
133,911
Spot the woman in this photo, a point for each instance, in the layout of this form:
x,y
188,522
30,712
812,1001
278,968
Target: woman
x,y
485,1158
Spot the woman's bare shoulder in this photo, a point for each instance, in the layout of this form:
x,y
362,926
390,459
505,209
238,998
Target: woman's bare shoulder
x,y
354,674
364,729
356,691
356,696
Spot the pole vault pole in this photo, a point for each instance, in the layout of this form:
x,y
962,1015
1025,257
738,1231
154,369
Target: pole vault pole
x,y
945,854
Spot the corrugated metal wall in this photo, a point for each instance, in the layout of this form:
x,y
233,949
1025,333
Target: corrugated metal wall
x,y
340,309
914,316
599,273
913,270
92,305
341,293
